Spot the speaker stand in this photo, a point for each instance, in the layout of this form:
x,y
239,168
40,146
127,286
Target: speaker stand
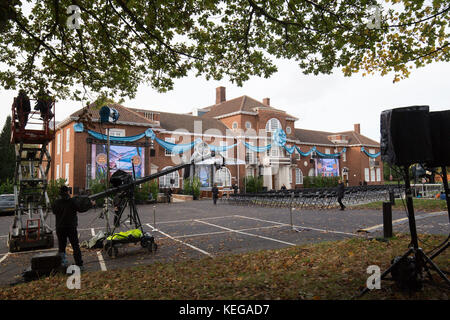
x,y
421,258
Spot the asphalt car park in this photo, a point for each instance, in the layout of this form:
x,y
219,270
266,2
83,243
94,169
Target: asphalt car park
x,y
198,229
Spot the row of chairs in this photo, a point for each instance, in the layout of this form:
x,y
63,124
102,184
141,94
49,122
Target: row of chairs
x,y
313,198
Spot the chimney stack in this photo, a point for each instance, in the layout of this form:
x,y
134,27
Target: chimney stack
x,y
266,101
357,128
220,95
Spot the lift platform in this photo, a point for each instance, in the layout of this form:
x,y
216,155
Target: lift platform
x,y
31,133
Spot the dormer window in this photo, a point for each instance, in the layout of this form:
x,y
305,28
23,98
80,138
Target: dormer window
x,y
272,125
234,126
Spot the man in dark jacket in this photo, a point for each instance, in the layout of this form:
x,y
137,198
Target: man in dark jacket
x,y
65,209
340,193
215,193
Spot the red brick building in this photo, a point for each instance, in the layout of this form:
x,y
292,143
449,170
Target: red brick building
x,y
77,156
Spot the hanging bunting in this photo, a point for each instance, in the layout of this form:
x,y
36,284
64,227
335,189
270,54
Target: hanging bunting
x,y
177,148
333,155
305,154
221,148
289,150
371,155
257,149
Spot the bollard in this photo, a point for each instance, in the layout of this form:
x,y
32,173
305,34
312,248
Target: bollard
x,y
392,197
387,220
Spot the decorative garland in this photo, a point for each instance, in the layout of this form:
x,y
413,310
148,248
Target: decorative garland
x,y
279,139
371,155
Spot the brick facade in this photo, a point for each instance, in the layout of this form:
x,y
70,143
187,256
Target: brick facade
x,y
73,161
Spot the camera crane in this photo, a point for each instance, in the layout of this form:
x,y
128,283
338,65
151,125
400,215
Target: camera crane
x,y
31,131
123,185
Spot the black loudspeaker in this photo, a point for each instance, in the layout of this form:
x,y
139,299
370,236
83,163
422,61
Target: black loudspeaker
x,y
152,152
406,136
440,138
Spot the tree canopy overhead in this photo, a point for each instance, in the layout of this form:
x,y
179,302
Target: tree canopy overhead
x,y
120,44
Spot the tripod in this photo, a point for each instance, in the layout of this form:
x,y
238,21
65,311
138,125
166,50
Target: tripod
x,y
421,259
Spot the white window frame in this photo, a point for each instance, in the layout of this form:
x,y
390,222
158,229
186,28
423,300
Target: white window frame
x,y
67,139
117,132
164,181
328,151
224,153
248,125
378,173
290,175
58,172
344,156
249,172
298,176
366,174
58,143
251,156
273,124
66,172
225,180
234,125
372,175
167,152
288,130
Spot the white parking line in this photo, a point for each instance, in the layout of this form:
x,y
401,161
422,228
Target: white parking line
x,y
246,233
186,244
4,257
99,255
222,232
302,227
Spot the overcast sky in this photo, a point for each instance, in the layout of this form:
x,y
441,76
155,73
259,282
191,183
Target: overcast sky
x,y
325,102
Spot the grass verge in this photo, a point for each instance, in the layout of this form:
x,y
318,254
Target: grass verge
x,y
327,270
424,205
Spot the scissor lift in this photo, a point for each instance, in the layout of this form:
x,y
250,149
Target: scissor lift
x,y
29,229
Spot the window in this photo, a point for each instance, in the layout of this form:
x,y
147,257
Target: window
x,y
57,172
58,143
327,151
223,177
378,174
311,172
171,140
248,124
234,126
68,140
366,174
288,130
298,176
66,173
372,174
290,175
249,172
273,152
164,181
224,153
117,132
272,125
344,156
250,156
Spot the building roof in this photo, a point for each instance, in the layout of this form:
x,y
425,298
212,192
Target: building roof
x,y
127,115
240,104
177,121
322,137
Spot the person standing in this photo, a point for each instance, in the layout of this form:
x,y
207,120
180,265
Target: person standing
x,y
65,210
23,107
215,193
340,193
